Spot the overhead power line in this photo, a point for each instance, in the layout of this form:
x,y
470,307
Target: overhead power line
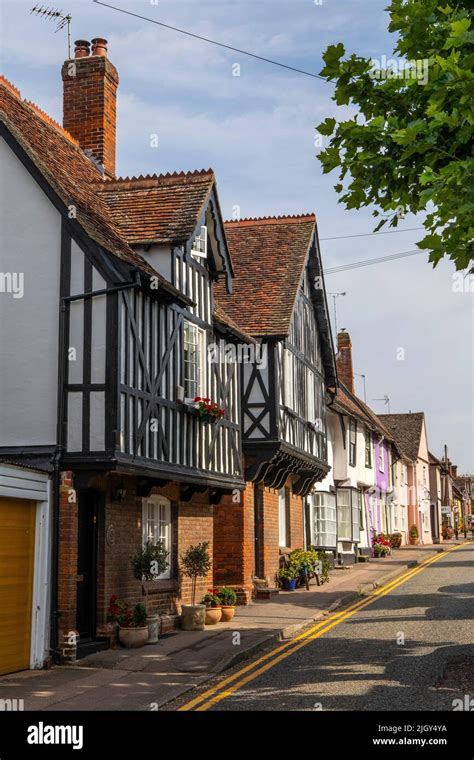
x,y
368,234
369,262
212,42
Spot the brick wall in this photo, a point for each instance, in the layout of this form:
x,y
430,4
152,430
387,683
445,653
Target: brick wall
x,y
234,539
234,535
345,368
296,520
269,534
67,567
89,106
194,526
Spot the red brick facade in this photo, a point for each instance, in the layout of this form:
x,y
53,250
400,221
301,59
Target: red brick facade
x,y
119,534
235,537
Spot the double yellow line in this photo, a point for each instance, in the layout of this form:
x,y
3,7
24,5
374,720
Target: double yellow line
x,y
237,680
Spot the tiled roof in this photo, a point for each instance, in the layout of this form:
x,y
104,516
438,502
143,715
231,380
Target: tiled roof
x,y
352,404
222,318
268,256
74,178
406,429
160,208
346,403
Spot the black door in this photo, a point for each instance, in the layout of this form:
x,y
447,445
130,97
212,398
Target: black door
x,y
86,565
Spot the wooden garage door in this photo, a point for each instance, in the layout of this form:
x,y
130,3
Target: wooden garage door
x,y
17,547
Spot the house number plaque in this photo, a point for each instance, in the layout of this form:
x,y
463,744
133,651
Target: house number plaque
x,y
110,535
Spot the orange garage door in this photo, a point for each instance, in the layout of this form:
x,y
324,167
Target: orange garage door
x,y
17,548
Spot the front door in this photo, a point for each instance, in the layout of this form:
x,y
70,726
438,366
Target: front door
x,y
86,565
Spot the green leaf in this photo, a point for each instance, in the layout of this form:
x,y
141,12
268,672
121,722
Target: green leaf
x,y
327,126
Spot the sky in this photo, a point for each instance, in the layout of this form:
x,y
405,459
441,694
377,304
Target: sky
x,y
411,325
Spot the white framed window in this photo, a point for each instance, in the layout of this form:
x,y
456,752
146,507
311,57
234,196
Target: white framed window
x,y
344,516
156,525
352,441
310,395
368,447
361,509
381,460
282,526
324,519
289,370
403,522
199,245
194,343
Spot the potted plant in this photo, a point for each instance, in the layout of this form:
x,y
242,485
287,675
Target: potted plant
x,y
133,630
447,532
208,410
212,602
195,563
149,562
228,599
289,576
381,545
414,536
395,540
323,557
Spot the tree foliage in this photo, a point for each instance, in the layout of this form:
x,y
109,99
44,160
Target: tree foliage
x,y
409,148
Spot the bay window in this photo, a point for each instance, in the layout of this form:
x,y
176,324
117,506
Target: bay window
x,y
324,520
348,514
344,517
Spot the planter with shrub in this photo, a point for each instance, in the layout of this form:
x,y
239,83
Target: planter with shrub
x,y
381,545
414,535
133,629
447,532
195,563
228,599
212,602
149,562
289,575
395,540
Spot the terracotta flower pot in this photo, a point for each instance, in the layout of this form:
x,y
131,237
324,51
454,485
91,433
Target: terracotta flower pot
x,y
213,615
131,638
193,617
228,612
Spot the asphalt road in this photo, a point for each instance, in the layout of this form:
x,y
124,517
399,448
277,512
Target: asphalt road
x,y
391,655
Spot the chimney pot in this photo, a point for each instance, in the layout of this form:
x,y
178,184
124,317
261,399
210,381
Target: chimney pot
x,y
81,48
99,46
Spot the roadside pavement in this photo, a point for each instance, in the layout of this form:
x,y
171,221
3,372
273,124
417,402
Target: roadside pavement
x,y
147,678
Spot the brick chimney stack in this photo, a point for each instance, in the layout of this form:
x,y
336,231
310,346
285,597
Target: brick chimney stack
x,y
90,84
454,470
345,369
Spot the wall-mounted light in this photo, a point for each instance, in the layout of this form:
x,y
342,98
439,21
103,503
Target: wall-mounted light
x,y
118,494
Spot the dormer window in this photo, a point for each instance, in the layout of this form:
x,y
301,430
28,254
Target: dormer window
x,y
199,246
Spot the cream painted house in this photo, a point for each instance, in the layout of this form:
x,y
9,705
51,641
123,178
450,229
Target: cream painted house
x,y
409,431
